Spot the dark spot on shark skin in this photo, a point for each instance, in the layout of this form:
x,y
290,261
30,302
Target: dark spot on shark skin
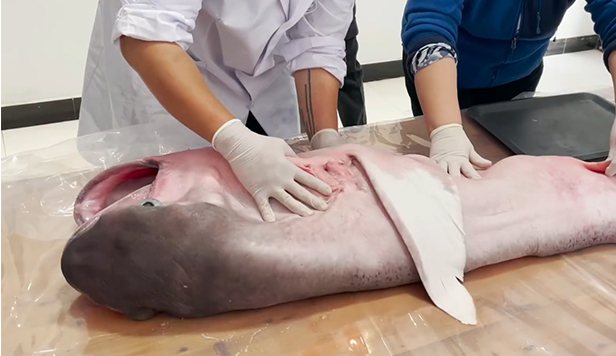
x,y
221,348
183,349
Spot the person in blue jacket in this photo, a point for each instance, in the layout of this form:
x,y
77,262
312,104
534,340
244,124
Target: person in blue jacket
x,y
460,53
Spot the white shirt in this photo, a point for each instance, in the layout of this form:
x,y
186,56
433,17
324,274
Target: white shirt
x,y
246,51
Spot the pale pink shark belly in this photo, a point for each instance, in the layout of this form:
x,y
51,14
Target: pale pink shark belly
x,y
205,250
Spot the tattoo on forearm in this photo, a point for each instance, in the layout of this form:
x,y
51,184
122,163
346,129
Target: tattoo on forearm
x,y
306,114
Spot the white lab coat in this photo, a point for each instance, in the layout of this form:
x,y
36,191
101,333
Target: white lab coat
x,y
245,49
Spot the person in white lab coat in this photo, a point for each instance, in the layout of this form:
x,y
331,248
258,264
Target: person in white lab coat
x,y
215,65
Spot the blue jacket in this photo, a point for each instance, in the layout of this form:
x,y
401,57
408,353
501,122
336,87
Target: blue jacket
x,y
497,41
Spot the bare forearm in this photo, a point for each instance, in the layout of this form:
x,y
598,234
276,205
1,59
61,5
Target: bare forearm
x,y
437,91
317,93
174,79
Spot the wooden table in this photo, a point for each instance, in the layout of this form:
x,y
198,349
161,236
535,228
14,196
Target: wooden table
x,y
563,305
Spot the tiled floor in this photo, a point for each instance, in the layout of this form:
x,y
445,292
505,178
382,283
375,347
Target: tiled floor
x,y
385,100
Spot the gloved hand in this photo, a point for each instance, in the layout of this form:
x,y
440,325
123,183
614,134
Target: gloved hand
x,y
454,152
611,169
261,165
326,138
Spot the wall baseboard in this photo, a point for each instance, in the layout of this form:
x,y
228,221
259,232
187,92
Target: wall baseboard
x,y
42,113
50,112
382,70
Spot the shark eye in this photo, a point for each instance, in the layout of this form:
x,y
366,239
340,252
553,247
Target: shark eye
x,y
151,202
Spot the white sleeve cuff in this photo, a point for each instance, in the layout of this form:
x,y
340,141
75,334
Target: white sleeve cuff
x,y
146,23
318,52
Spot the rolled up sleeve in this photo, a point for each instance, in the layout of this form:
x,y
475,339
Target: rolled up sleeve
x,y
603,13
157,20
429,22
317,40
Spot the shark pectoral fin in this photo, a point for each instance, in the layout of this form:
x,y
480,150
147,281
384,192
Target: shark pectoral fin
x,y
427,213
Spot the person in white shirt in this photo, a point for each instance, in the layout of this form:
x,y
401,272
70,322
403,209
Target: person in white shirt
x,y
212,66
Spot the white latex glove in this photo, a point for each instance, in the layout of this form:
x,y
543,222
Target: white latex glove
x,y
611,169
326,138
261,164
454,152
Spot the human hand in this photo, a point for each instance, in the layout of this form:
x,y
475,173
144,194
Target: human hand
x,y
611,169
326,138
261,165
454,152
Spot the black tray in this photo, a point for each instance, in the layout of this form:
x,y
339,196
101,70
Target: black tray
x,y
576,125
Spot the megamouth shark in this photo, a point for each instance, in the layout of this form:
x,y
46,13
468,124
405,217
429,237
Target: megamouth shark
x,y
178,234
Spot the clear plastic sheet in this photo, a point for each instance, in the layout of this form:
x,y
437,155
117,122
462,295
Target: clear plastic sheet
x,y
563,305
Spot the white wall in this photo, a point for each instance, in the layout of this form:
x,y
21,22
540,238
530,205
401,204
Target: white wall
x,y
44,42
44,48
577,22
380,23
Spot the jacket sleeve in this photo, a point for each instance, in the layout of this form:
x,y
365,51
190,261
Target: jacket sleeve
x,y
317,40
603,13
157,20
428,22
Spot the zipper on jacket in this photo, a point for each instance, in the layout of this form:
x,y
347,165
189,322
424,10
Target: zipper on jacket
x,y
514,43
